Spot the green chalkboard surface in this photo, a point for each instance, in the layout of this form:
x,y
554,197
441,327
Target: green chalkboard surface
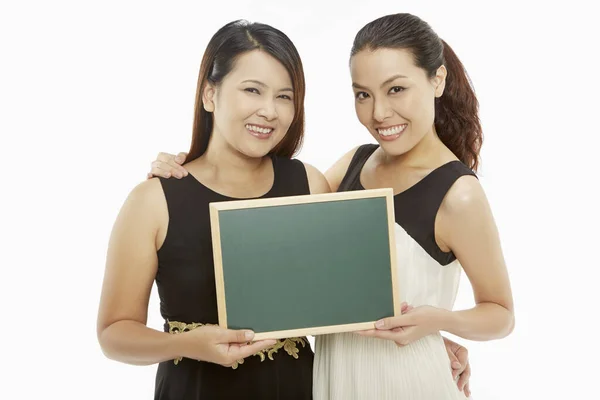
x,y
305,265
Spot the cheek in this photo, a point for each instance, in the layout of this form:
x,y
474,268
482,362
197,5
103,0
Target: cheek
x,y
429,111
228,110
419,110
363,112
243,106
285,112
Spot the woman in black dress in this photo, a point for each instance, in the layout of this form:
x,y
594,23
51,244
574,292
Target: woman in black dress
x,y
248,123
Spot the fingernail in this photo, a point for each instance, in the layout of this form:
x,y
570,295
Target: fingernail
x,y
178,175
455,364
248,335
178,159
167,175
379,324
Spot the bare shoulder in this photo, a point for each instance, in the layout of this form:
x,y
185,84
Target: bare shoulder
x,y
316,180
148,193
465,215
145,208
337,171
466,195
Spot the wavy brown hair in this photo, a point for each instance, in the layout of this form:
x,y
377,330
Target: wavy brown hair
x,y
231,41
457,110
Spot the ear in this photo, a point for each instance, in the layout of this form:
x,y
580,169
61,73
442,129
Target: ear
x,y
208,94
439,80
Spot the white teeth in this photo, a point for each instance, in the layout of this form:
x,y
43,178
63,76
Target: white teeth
x,y
257,129
392,131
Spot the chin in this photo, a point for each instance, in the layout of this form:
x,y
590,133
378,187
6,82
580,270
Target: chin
x,y
403,144
397,147
256,151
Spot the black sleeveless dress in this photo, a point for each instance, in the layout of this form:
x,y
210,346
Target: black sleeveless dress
x,y
416,208
186,286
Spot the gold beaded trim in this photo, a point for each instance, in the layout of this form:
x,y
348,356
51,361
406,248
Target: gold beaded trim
x,y
288,344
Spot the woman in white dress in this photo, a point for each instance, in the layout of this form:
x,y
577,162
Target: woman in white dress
x,y
415,99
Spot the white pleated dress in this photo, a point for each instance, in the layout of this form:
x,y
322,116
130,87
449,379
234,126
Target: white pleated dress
x,y
348,366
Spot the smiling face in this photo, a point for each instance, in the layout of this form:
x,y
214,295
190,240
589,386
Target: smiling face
x,y
253,106
395,99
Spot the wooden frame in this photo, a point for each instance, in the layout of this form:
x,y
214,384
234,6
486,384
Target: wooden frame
x,y
215,208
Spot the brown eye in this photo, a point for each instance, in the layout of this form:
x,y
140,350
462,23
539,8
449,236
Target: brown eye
x,y
252,90
397,89
361,95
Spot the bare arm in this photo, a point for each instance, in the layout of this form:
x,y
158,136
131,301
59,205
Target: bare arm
x,y
316,180
465,225
130,270
335,174
131,267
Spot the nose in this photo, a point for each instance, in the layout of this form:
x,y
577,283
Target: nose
x,y
268,110
381,110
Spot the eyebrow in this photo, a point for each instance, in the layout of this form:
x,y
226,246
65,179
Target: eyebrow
x,y
261,84
389,80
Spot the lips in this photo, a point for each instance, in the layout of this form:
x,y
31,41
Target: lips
x,y
258,131
391,132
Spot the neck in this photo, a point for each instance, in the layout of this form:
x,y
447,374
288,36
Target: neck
x,y
221,156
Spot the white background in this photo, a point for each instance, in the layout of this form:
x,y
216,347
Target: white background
x,y
90,92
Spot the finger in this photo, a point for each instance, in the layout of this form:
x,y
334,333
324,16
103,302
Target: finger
x,y
156,170
455,365
181,157
450,344
467,390
462,354
389,335
170,165
464,377
166,170
175,164
394,322
236,336
238,352
172,161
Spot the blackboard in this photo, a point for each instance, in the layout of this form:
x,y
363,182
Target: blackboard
x,y
305,265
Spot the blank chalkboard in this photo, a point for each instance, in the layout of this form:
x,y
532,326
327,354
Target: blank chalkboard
x,y
305,265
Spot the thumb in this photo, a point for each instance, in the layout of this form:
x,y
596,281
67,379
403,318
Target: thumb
x,y
237,336
394,322
454,362
180,158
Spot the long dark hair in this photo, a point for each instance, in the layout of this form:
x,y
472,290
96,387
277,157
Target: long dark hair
x,y
231,41
457,110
